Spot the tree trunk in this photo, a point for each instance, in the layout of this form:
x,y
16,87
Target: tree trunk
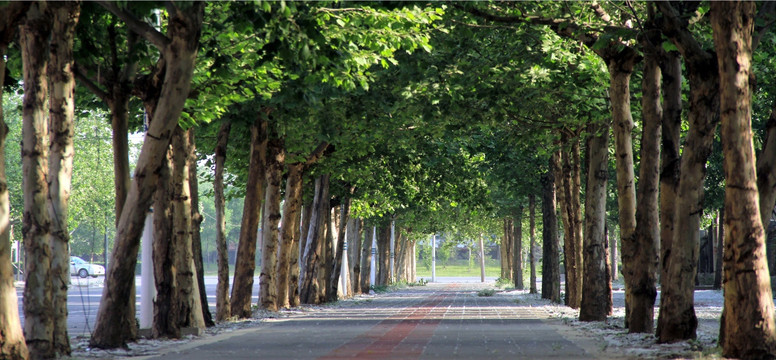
x,y
293,277
720,247
620,70
12,344
223,308
166,304
594,284
245,263
327,253
642,252
196,223
532,235
309,284
747,329
338,253
517,249
115,323
190,307
482,260
61,129
297,265
289,243
383,257
569,180
669,155
366,262
356,246
612,243
766,170
276,158
550,253
677,320
503,250
38,319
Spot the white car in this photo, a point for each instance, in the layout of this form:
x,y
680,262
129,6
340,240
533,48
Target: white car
x,y
83,269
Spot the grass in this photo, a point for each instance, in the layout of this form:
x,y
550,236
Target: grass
x,y
460,268
486,292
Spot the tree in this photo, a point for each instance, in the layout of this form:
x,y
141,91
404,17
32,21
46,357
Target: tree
x,y
12,344
38,325
747,329
115,323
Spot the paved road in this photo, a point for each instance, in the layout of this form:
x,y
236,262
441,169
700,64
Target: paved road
x,y
442,320
84,295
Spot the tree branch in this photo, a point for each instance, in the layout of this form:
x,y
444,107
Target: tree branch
x,y
316,154
141,28
600,12
84,79
675,29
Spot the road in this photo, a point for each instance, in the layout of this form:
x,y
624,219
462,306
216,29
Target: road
x,y
83,301
437,321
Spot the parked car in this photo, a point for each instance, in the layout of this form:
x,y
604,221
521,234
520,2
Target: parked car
x,y
83,269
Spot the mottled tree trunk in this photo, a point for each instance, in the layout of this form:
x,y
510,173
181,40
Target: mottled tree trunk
x,y
189,305
116,318
338,253
550,251
12,344
357,241
747,329
196,223
677,320
366,261
669,154
383,255
61,130
568,201
620,70
641,281
223,308
532,246
327,251
517,249
309,278
720,246
289,243
503,249
276,158
166,304
245,263
38,317
595,287
766,170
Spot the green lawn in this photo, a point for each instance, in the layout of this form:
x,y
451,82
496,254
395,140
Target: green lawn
x,y
460,268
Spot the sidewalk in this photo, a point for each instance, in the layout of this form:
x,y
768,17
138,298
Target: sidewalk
x,y
429,322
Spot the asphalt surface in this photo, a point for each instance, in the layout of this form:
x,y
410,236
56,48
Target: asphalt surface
x,y
437,321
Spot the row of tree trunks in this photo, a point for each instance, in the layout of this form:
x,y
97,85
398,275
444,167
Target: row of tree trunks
x,y
517,248
747,329
12,345
532,242
569,188
550,251
61,130
223,307
115,323
595,288
245,263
